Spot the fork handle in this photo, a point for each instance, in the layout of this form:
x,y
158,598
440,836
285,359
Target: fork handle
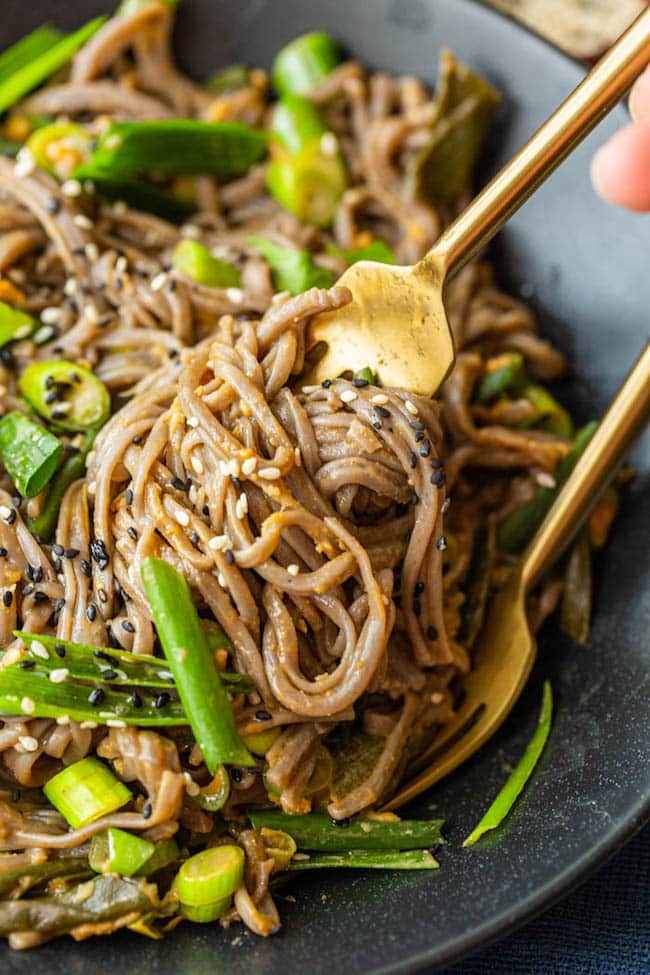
x,y
597,94
600,461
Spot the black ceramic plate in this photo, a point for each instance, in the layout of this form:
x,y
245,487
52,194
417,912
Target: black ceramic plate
x,y
585,269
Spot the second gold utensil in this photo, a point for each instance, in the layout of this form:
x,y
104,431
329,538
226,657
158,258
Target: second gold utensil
x,y
396,322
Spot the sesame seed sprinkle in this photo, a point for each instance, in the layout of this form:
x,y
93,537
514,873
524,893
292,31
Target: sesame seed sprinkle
x,y
59,675
270,473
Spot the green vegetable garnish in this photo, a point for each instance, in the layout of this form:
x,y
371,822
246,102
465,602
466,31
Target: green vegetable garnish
x,y
66,395
165,853
173,148
368,860
304,62
214,795
279,846
508,794
465,108
14,324
116,851
60,147
30,69
30,453
376,250
317,832
505,374
549,414
193,259
86,791
72,468
206,882
229,79
198,682
366,375
516,531
293,269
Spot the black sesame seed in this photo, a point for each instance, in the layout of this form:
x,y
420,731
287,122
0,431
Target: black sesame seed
x,y
103,595
432,633
425,448
236,482
230,558
28,590
40,596
441,543
188,483
172,285
263,715
104,322
11,517
15,795
98,553
194,538
59,414
59,650
438,478
77,251
7,597
419,437
3,552
147,810
58,565
109,674
54,206
161,700
52,397
412,460
382,412
29,572
137,439
415,498
340,822
7,357
206,510
132,533
26,664
326,383
360,383
172,353
119,284
91,612
419,588
128,497
128,626
96,697
134,699
416,425
74,377
37,574
71,553
177,483
58,549
235,775
435,463
102,655
376,424
58,349
85,568
59,604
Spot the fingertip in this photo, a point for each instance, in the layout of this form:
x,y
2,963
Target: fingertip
x,y
620,170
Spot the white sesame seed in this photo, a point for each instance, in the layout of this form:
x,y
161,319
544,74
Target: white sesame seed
x,y
51,315
191,230
310,389
297,456
411,407
293,569
546,480
115,723
38,650
25,163
197,464
81,220
348,396
219,543
249,465
437,697
59,675
119,208
232,468
5,511
63,720
182,517
221,579
241,508
92,487
270,473
27,705
70,287
88,725
29,743
91,251
91,313
43,334
235,295
23,332
329,144
63,407
159,281
192,421
379,399
121,264
446,504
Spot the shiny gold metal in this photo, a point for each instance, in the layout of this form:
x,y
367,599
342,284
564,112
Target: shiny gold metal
x,y
506,648
396,322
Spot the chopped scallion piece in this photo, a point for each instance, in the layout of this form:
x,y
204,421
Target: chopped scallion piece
x,y
116,851
316,831
193,259
304,62
29,452
24,51
260,742
165,853
74,467
508,794
207,881
366,375
214,795
293,269
504,374
549,414
279,846
38,68
66,394
198,682
60,147
14,324
86,791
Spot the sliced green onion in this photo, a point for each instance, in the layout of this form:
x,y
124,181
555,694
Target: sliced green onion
x,y
165,853
229,79
80,401
376,250
14,324
74,467
549,414
260,742
198,682
316,831
214,795
116,851
193,259
29,692
367,860
60,147
205,913
304,62
507,376
293,269
508,794
279,846
139,194
38,68
514,533
210,876
86,791
297,123
217,640
173,148
366,375
24,51
30,453
577,593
